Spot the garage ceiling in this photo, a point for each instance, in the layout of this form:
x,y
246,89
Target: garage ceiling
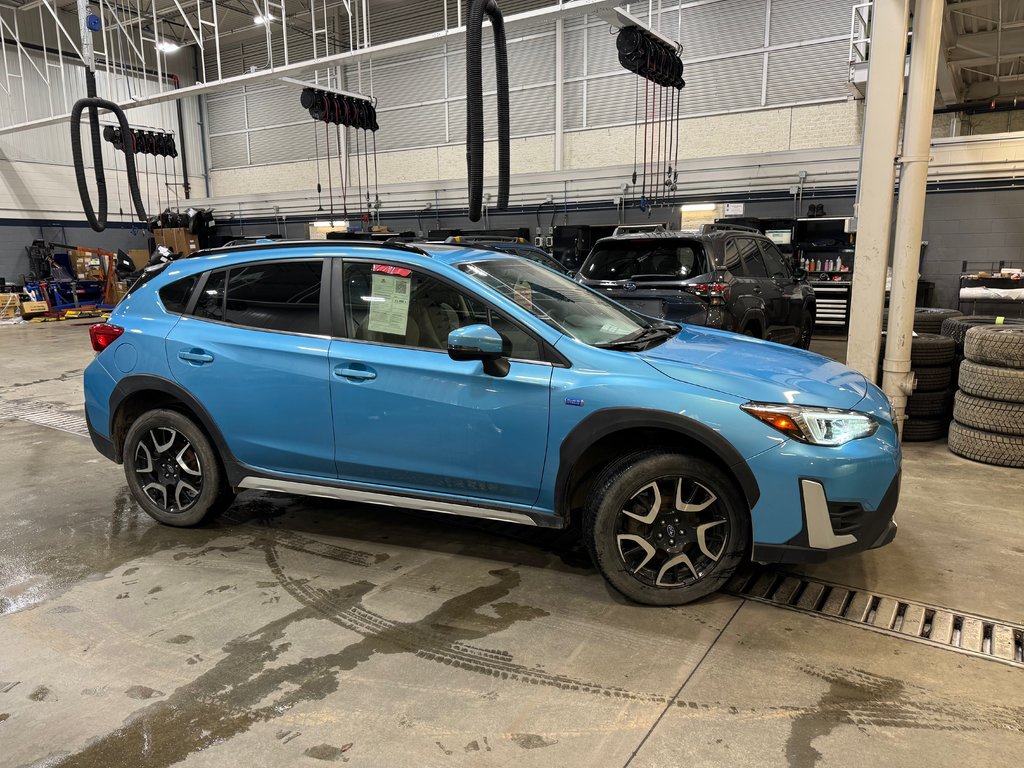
x,y
983,53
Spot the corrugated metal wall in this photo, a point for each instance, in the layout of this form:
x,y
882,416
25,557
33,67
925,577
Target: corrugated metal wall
x,y
740,55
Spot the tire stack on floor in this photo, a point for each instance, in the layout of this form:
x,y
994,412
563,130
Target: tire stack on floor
x,y
932,359
988,423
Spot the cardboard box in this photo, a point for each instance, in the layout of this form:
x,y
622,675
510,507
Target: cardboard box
x,y
139,256
33,308
178,239
8,305
86,265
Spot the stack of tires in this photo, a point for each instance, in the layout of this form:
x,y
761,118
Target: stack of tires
x,y
988,417
932,359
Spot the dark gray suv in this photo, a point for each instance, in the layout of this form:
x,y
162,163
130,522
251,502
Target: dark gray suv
x,y
724,277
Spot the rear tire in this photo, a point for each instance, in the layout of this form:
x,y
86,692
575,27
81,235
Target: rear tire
x,y
172,469
666,528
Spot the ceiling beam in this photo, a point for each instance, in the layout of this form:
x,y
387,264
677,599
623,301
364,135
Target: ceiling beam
x,y
977,45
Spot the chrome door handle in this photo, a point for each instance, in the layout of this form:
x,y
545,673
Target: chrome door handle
x,y
355,373
195,356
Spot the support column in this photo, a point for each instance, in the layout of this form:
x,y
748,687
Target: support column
x,y
897,380
875,187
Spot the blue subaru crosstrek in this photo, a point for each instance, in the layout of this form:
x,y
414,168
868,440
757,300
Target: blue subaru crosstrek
x,y
471,382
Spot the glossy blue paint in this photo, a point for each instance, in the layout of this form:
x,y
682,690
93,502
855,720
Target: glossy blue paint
x,y
394,418
476,338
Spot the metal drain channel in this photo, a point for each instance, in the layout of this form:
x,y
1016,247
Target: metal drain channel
x,y
45,415
932,625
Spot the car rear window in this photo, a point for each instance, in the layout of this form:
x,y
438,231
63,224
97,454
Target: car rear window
x,y
174,296
655,259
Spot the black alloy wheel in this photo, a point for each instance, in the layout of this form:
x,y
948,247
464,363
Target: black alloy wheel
x,y
806,332
169,469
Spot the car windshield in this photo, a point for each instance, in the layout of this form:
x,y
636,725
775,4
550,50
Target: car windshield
x,y
563,304
654,259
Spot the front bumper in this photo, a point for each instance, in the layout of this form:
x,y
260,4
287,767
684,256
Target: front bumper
x,y
834,529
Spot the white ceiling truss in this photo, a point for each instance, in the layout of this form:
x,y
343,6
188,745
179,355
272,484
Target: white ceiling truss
x,y
147,38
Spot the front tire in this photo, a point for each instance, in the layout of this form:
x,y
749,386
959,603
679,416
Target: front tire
x,y
172,469
666,528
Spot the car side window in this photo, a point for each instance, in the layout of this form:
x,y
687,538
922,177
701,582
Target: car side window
x,y
272,296
275,296
750,257
174,296
732,257
774,260
409,308
210,304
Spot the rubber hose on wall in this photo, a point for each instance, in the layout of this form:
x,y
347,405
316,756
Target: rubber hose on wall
x,y
94,104
475,105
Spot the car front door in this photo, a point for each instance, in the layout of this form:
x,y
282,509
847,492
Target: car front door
x,y
787,298
253,350
407,416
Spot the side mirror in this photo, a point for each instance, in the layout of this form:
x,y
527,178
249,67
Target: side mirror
x,y
479,342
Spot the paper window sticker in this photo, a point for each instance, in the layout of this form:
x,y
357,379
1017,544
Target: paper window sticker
x,y
389,304
522,294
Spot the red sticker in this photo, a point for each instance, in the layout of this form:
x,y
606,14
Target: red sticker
x,y
389,270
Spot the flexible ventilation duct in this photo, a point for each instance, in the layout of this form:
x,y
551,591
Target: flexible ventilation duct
x,y
475,104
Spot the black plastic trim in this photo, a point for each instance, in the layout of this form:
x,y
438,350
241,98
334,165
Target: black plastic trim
x,y
102,444
608,420
878,531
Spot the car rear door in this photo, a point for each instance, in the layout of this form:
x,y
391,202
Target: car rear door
x,y
252,348
761,295
407,416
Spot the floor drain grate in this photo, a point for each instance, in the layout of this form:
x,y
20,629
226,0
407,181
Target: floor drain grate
x,y
906,619
45,415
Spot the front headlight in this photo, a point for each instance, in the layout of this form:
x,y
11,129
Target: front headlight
x,y
809,424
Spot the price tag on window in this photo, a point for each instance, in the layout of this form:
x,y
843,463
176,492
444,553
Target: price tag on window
x,y
389,303
522,294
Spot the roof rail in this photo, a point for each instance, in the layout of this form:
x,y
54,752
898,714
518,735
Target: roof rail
x,y
276,244
639,229
706,229
456,239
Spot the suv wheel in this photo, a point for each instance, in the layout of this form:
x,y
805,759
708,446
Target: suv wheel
x,y
172,470
806,331
666,528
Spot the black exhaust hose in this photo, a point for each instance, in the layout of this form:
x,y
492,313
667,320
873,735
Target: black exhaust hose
x,y
93,104
475,105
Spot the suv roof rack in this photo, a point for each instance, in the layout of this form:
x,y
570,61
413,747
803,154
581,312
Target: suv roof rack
x,y
639,229
707,229
474,239
275,244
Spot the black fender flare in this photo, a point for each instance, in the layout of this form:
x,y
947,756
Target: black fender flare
x,y
756,313
130,385
604,422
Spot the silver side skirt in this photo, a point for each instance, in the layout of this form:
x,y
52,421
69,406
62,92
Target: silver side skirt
x,y
385,499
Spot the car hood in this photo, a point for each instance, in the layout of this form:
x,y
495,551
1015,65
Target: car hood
x,y
756,370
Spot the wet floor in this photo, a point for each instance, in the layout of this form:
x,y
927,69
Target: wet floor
x,y
306,632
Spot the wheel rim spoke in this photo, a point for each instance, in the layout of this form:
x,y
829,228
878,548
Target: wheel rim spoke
x,y
682,506
673,563
198,471
702,539
183,486
649,550
157,487
143,448
163,447
655,506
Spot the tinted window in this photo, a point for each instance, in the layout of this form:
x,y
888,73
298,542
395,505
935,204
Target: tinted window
x,y
395,305
774,260
732,257
645,260
174,296
750,257
279,296
211,301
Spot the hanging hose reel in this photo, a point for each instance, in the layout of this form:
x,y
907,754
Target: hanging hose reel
x,y
99,221
475,105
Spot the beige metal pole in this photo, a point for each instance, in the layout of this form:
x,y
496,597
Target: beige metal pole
x,y
898,381
886,63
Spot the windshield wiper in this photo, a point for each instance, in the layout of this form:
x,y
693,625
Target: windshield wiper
x,y
643,337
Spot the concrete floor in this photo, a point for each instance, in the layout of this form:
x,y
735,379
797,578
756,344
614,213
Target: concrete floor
x,y
302,632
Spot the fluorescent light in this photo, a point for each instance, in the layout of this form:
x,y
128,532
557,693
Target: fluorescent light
x,y
167,46
693,207
261,19
343,223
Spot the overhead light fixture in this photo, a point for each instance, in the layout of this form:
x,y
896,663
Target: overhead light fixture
x,y
341,223
167,46
694,207
262,19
